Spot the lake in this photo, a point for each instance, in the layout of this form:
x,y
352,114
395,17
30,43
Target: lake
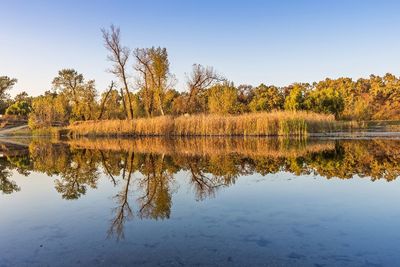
x,y
200,201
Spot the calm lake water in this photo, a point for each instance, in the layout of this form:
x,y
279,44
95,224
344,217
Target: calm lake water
x,y
214,202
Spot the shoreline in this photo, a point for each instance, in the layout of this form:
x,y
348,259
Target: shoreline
x,y
329,135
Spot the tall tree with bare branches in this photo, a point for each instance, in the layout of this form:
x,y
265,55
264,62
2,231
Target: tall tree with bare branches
x,y
198,81
119,56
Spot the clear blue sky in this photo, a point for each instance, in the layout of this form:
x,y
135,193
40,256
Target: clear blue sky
x,y
274,42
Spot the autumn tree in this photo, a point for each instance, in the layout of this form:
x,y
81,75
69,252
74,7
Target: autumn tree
x,y
386,96
50,109
81,94
111,104
154,78
155,202
88,107
198,81
168,100
223,99
362,108
179,104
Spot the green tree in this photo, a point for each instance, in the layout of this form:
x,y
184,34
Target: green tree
x,y
333,96
20,108
266,98
295,96
6,83
328,101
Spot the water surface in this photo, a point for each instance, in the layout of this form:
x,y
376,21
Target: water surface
x,y
218,201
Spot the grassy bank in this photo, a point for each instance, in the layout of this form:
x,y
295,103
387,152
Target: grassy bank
x,y
278,123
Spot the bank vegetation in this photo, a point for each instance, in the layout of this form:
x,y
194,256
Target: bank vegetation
x,y
144,100
279,123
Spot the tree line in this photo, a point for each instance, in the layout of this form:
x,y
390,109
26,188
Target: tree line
x,y
145,87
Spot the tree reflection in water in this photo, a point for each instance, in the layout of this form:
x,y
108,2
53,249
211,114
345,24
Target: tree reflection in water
x,y
144,169
123,211
155,187
7,186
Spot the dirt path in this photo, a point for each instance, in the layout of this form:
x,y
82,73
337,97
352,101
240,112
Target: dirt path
x,y
13,129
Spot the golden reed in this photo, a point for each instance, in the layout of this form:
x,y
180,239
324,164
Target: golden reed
x,y
278,123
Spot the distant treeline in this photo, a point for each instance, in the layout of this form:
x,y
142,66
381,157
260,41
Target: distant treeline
x,y
146,88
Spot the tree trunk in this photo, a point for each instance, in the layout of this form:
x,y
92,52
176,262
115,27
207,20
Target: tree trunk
x,y
130,114
161,107
123,103
104,100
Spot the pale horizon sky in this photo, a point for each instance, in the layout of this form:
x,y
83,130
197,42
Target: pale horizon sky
x,y
249,42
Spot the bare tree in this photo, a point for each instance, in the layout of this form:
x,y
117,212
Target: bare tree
x,y
200,79
119,56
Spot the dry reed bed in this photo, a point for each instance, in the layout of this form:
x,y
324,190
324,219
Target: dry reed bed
x,y
279,123
251,147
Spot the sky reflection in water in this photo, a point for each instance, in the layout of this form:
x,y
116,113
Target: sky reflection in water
x,y
200,202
